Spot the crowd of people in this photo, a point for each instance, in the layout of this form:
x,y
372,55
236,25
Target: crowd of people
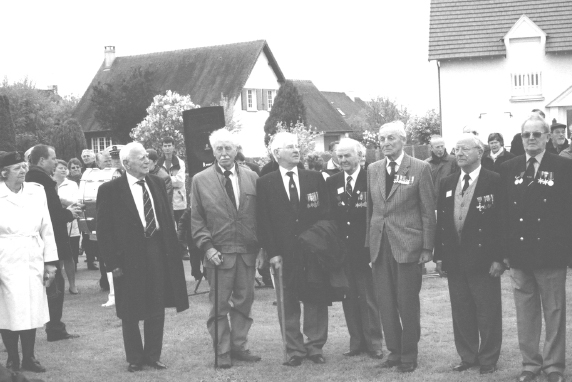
x,y
340,231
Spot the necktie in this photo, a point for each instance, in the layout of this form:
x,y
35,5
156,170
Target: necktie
x,y
228,187
349,186
466,178
294,199
529,173
151,225
390,178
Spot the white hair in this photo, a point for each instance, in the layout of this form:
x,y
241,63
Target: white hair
x,y
127,149
435,138
223,135
280,139
397,126
475,139
534,117
349,143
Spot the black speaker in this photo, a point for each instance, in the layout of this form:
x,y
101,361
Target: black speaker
x,y
199,124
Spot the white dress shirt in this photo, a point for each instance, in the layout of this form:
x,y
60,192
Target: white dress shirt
x,y
354,177
234,180
538,160
397,161
137,193
473,176
286,180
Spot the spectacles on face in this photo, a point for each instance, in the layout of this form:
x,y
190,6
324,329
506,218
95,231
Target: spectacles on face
x,y
535,134
291,147
464,149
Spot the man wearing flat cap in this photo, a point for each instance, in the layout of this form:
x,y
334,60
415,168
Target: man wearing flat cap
x,y
557,142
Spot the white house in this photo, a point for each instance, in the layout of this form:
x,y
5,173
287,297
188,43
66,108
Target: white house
x,y
498,60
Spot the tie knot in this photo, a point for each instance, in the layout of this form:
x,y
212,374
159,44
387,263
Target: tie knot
x,y
290,174
227,173
532,160
349,178
141,182
467,177
392,164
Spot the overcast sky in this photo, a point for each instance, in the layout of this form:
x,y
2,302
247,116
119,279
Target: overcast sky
x,y
370,47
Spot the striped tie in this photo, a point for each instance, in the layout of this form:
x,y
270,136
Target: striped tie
x,y
150,226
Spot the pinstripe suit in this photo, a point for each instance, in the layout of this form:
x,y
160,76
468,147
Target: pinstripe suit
x,y
399,227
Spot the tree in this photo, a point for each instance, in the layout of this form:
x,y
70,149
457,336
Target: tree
x,y
230,123
420,129
306,136
164,118
288,109
68,140
7,133
120,107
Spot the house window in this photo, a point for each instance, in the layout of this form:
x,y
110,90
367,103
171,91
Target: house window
x,y
270,99
341,112
250,100
100,143
526,84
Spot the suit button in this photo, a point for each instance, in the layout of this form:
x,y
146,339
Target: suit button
x,y
522,239
515,202
520,219
538,219
480,230
460,218
296,220
347,237
480,245
443,229
544,200
462,204
348,223
538,239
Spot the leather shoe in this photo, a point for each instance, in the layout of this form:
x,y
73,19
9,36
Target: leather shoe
x,y
317,358
526,376
224,361
92,267
352,353
61,336
294,361
32,364
389,363
13,365
134,367
407,367
375,354
158,365
245,355
555,377
488,369
463,366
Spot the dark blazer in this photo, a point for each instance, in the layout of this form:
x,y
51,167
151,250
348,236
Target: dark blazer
x,y
59,215
479,244
350,214
536,217
278,223
503,157
516,146
122,243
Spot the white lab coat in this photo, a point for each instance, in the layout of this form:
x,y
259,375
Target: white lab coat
x,y
26,242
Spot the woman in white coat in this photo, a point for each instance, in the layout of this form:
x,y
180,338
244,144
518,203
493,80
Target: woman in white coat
x,y
28,255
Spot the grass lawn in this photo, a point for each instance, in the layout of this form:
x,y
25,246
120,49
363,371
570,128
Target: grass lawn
x,y
98,355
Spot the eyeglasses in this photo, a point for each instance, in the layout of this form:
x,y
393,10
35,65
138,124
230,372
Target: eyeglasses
x,y
535,134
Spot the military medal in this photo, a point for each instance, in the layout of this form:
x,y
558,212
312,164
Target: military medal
x,y
518,179
550,179
480,207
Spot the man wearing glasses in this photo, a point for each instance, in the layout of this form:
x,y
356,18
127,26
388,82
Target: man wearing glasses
x,y
536,190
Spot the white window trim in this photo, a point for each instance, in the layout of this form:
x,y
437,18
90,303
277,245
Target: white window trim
x,y
270,99
252,106
100,143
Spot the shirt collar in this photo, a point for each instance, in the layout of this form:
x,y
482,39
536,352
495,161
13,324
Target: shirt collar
x,y
354,175
474,174
398,160
131,179
538,157
232,170
283,171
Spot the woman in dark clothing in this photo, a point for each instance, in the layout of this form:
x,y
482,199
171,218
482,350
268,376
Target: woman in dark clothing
x,y
498,154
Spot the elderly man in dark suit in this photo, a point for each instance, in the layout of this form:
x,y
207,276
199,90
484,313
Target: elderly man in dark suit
x,y
400,234
290,201
535,208
467,245
223,225
43,164
136,235
348,197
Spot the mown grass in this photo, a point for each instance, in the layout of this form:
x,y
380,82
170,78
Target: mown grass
x,y
98,355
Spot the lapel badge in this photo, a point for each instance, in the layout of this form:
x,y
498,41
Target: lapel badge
x,y
313,200
518,178
340,190
480,207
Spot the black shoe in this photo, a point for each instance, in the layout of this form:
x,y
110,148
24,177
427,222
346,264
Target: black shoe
x,y
294,361
13,365
352,353
388,364
555,377
317,358
526,376
157,365
32,364
92,267
375,354
61,336
134,367
407,367
463,366
488,369
245,355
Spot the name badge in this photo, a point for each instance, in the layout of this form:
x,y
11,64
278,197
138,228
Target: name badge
x,y
340,190
449,194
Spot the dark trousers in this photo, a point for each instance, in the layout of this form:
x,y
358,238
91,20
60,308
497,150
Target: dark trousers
x,y
477,313
27,338
177,214
361,310
55,294
397,286
135,351
74,245
89,247
103,281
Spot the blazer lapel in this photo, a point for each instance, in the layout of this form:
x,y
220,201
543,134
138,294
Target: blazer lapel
x,y
403,169
127,197
303,180
381,177
279,187
156,199
480,187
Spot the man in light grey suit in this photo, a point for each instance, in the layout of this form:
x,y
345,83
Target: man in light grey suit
x,y
400,233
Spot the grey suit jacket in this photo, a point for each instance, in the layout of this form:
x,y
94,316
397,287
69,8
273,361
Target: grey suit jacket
x,y
407,214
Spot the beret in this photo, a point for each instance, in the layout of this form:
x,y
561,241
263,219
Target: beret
x,y
10,158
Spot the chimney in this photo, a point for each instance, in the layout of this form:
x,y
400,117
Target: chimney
x,y
109,57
